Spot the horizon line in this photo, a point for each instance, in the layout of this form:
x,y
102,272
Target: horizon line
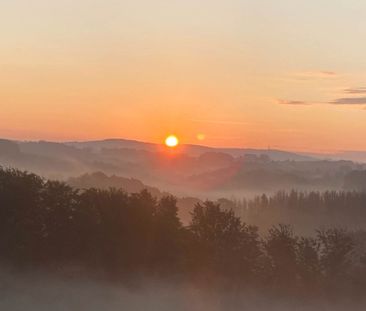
x,y
68,141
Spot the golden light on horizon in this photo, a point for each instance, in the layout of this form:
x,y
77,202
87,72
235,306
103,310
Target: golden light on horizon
x,y
172,141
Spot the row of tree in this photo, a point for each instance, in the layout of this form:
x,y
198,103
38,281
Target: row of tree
x,y
307,211
49,224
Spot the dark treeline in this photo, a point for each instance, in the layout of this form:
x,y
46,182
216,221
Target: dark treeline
x,y
49,224
307,211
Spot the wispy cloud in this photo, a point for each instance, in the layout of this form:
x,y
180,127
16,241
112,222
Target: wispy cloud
x,y
355,99
293,102
310,75
349,101
351,96
356,90
328,73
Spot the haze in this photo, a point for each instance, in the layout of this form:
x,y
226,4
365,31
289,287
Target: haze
x,y
182,155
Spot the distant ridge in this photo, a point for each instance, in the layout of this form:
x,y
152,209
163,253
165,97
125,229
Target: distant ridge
x,y
274,154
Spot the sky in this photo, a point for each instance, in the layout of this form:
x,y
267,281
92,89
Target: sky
x,y
286,74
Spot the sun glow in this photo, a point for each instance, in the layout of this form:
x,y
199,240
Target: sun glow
x,y
172,141
201,136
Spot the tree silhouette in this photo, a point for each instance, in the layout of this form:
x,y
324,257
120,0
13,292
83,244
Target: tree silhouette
x,y
225,244
280,246
50,225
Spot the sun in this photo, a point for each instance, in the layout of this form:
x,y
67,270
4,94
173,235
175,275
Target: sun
x,y
172,141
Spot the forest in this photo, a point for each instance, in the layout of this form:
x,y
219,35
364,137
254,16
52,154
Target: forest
x,y
124,238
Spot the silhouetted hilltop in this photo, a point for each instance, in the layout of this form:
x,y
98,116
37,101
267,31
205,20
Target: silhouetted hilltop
x,y
351,155
276,155
102,181
9,148
114,144
187,171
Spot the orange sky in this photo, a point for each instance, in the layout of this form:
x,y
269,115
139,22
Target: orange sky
x,y
288,75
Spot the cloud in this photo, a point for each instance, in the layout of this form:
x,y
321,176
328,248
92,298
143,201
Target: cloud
x,y
349,101
310,75
356,90
328,73
293,102
360,100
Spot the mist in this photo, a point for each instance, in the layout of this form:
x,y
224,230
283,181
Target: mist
x,y
37,291
182,155
75,249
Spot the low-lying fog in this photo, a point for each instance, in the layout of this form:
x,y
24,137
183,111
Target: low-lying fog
x,y
32,292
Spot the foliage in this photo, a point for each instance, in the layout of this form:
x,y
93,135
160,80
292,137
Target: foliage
x,y
49,224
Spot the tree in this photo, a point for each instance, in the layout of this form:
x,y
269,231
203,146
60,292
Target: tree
x,y
20,213
168,234
335,248
225,244
308,263
280,246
